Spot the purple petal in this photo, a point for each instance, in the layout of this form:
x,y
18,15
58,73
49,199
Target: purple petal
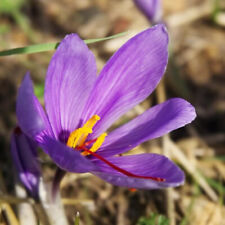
x,y
155,122
66,158
24,154
70,77
129,77
30,114
152,9
153,165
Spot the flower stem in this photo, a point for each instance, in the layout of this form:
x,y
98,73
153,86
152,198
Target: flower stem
x,y
52,207
59,174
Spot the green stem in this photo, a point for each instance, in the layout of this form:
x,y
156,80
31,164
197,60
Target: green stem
x,y
77,219
50,46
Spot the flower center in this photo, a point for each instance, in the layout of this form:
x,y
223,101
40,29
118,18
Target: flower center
x,y
77,140
78,137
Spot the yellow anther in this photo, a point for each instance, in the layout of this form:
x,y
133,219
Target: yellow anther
x,y
97,144
87,127
72,138
79,136
91,122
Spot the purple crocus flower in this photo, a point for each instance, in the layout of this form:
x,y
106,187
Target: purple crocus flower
x,y
24,154
152,9
80,107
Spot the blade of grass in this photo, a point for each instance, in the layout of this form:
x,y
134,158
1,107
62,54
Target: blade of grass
x,y
154,219
77,219
218,186
39,90
162,220
191,169
5,206
216,9
220,158
50,46
10,214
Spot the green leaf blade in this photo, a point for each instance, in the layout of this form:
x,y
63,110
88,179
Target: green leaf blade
x,y
50,46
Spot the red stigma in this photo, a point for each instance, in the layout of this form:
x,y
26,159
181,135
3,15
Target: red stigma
x,y
125,172
132,189
90,142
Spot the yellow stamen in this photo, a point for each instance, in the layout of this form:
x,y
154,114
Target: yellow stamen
x,y
79,136
97,144
87,129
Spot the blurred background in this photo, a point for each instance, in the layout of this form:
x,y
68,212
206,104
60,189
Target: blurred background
x,y
196,72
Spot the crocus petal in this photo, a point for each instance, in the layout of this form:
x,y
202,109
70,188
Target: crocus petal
x,y
155,122
30,114
129,77
24,155
152,9
70,77
153,165
66,158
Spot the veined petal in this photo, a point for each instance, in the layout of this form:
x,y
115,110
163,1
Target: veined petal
x,y
152,9
155,122
70,77
30,114
24,154
129,77
66,158
153,165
